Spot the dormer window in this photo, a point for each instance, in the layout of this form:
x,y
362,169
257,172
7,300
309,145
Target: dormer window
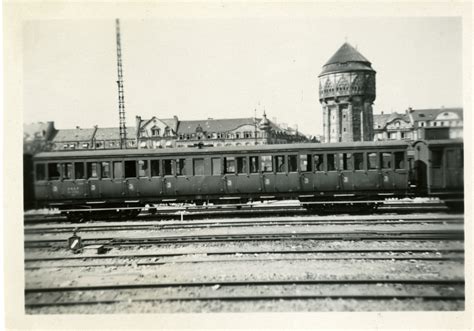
x,y
155,132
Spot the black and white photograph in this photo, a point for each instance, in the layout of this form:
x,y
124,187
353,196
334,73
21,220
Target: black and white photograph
x,y
259,158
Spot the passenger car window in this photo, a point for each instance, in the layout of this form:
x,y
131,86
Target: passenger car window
x,y
198,165
53,171
319,162
216,166
79,172
92,170
118,170
241,165
67,170
155,168
332,162
371,161
266,161
180,168
305,162
40,171
105,169
385,160
130,169
229,165
358,161
292,163
280,163
399,160
345,161
253,160
142,168
168,167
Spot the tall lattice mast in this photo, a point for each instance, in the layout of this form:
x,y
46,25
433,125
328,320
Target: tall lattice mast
x,y
123,127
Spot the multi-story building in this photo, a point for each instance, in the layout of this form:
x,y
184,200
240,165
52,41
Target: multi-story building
x,y
346,93
437,123
156,133
432,123
163,133
393,126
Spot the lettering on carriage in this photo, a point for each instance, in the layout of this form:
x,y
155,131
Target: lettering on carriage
x,y
229,182
92,187
385,178
72,189
267,181
55,188
131,187
306,180
168,185
346,179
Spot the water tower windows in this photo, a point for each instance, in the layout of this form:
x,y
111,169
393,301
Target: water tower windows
x,y
328,87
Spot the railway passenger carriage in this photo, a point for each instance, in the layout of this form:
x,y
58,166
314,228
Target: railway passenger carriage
x,y
308,172
439,168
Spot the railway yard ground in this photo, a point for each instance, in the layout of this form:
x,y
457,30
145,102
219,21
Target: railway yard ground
x,y
259,263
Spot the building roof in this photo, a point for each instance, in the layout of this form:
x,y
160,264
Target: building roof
x,y
77,134
381,120
431,113
347,53
212,125
347,58
114,133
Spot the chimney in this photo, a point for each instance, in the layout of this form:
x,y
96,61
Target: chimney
x,y
93,136
138,120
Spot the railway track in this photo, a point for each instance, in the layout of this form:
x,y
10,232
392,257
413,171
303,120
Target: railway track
x,y
158,225
248,252
363,261
180,239
245,210
36,263
275,290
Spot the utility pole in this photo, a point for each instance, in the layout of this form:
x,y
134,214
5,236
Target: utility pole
x,y
122,127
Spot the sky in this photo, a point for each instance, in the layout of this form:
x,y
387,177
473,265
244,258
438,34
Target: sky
x,y
199,68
